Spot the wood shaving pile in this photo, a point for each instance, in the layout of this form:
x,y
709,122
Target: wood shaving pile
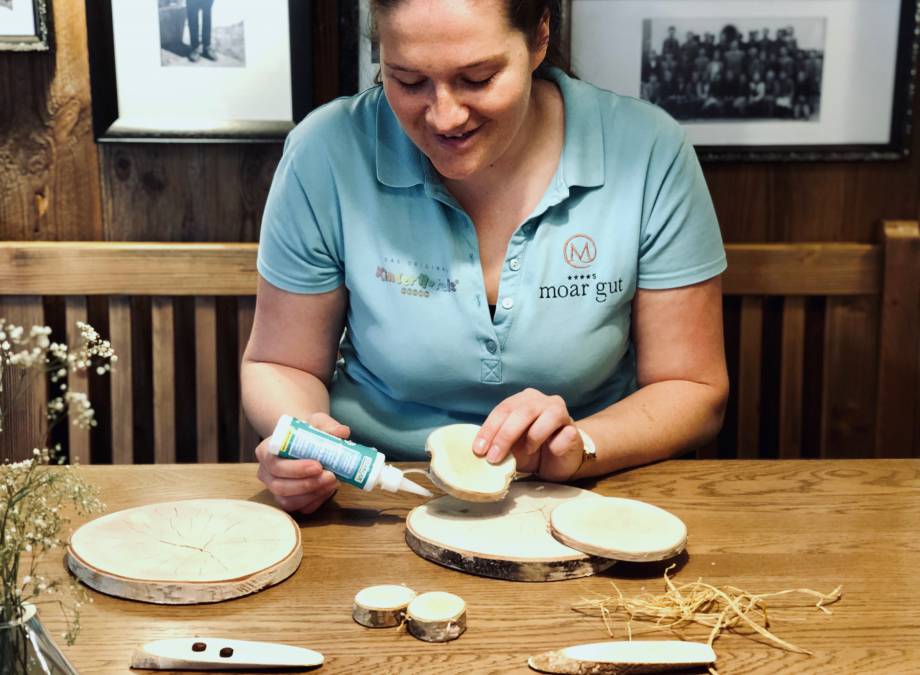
x,y
721,609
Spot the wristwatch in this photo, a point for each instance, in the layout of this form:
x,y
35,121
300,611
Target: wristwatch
x,y
589,449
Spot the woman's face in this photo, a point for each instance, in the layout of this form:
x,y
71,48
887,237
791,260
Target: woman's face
x,y
458,77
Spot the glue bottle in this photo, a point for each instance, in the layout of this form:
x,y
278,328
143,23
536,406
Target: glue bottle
x,y
352,463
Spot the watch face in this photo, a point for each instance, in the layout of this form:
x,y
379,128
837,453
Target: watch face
x,y
589,449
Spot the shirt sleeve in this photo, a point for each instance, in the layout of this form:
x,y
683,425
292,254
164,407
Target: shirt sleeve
x,y
680,242
297,243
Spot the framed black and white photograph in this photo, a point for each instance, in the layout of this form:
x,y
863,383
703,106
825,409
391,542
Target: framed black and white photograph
x,y
198,70
24,25
787,80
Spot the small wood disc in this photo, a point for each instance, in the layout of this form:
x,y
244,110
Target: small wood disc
x,y
458,472
623,529
436,616
509,539
186,552
382,606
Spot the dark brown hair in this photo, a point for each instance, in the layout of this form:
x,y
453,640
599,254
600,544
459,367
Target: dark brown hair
x,y
523,15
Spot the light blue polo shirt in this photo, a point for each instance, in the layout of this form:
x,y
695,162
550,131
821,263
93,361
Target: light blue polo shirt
x,y
354,202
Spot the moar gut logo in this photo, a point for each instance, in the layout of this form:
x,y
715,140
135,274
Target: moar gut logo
x,y
580,252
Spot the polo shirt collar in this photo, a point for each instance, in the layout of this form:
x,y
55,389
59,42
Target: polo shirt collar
x,y
583,158
400,164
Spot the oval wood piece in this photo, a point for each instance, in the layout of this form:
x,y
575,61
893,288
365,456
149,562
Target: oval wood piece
x,y
436,616
382,606
460,473
623,529
636,656
215,653
509,539
186,552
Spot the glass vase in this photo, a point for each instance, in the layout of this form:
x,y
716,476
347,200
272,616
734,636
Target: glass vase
x,y
26,648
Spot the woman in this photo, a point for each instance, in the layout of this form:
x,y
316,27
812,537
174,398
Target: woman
x,y
480,177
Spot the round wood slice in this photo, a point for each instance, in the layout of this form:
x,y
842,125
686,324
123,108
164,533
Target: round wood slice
x,y
623,529
458,472
436,616
186,552
382,606
503,540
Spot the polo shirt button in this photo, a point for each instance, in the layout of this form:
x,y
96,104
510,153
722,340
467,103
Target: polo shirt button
x,y
514,264
508,303
491,346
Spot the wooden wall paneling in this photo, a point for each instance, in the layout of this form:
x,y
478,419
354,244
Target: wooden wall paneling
x,y
49,166
849,375
186,192
164,411
24,421
78,446
812,214
791,372
898,418
206,378
249,439
122,400
743,197
749,380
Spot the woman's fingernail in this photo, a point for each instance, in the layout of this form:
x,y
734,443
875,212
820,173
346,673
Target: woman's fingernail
x,y
480,447
494,453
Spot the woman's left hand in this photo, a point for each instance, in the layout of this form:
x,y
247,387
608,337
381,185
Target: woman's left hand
x,y
538,430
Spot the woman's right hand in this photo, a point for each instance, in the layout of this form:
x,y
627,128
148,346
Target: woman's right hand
x,y
300,485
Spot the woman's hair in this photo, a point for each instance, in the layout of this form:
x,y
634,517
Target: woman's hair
x,y
523,15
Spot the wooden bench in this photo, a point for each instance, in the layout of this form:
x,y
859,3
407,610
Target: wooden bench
x,y
171,275
786,277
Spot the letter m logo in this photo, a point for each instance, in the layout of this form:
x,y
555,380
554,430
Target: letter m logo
x,y
579,251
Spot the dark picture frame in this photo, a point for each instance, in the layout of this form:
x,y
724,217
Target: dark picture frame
x,y
38,40
110,125
770,145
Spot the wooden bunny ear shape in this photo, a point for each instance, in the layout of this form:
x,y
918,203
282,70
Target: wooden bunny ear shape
x,y
622,529
459,472
635,656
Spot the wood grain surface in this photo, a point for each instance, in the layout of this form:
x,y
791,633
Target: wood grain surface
x,y
760,525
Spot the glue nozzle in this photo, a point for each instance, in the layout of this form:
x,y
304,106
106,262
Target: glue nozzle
x,y
392,479
416,489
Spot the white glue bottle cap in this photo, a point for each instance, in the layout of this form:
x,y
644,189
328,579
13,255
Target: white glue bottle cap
x,y
392,480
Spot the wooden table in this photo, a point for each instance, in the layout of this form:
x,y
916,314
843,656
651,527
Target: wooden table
x,y
760,525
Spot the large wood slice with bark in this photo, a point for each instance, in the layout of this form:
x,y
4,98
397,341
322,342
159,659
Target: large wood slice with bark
x,y
509,539
186,552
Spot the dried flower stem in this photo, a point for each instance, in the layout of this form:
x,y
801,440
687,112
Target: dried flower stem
x,y
701,603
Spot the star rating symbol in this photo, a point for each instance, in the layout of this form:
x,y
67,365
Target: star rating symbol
x,y
577,277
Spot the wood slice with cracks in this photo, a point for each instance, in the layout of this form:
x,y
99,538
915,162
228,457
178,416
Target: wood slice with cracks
x,y
503,540
436,616
458,472
186,552
382,606
623,529
619,658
